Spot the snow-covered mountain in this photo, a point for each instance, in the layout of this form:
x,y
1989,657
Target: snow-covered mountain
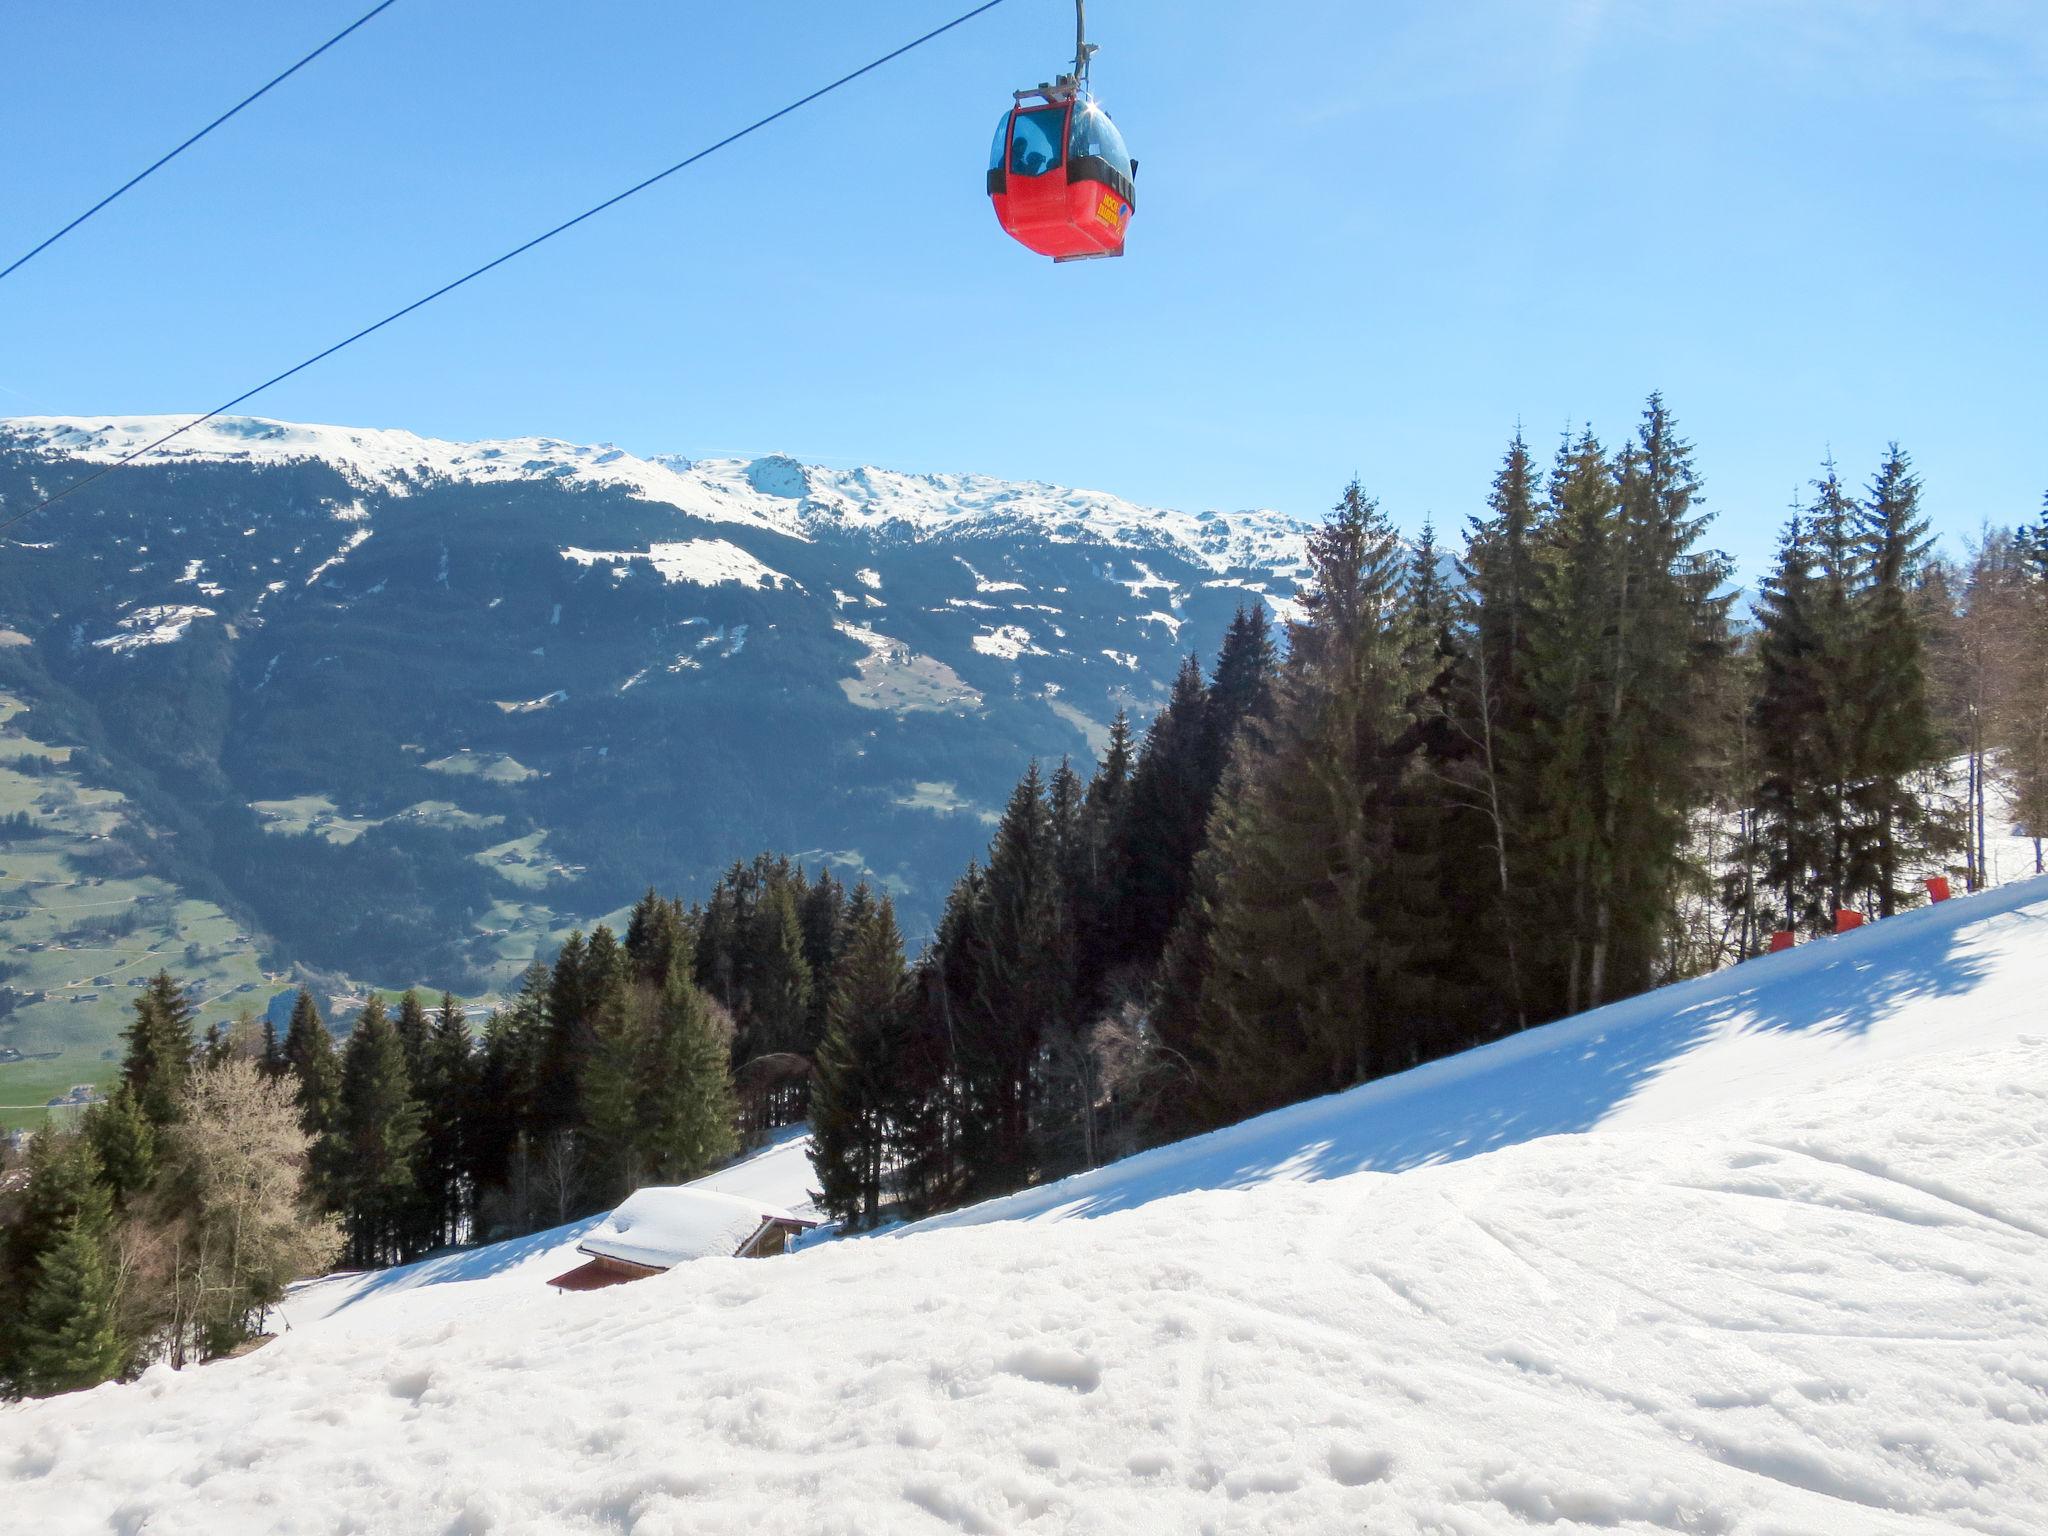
x,y
775,493
1765,1252
479,692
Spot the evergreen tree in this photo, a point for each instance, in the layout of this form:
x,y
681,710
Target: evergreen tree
x,y
1241,691
608,1123
558,1079
377,1126
1898,737
1629,629
159,1049
70,1337
1105,816
1497,715
309,1057
780,995
64,1188
686,1109
1836,728
447,1093
504,1118
1011,992
653,934
1786,716
1300,992
822,911
413,1029
850,1106
1167,819
124,1142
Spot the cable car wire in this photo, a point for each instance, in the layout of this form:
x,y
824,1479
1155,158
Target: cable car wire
x,y
517,250
165,160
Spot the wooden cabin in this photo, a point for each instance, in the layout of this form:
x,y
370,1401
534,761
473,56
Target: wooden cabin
x,y
659,1228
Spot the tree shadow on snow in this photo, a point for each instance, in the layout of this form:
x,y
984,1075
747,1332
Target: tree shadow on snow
x,y
451,1266
1565,1077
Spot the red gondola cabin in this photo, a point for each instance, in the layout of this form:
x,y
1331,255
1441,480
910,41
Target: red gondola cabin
x,y
1062,182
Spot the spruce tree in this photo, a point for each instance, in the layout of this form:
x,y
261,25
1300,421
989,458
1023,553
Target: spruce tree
x,y
1844,861
413,1028
1240,692
124,1142
1012,990
1668,649
1786,715
159,1049
69,1331
558,1078
1629,628
780,995
447,1093
1167,819
272,1060
653,932
1300,995
1106,819
687,1112
504,1118
850,1107
1497,717
377,1126
608,1121
64,1186
1898,738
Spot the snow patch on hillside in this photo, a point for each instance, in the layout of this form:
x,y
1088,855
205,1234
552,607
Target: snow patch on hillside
x,y
701,562
1008,641
349,546
157,625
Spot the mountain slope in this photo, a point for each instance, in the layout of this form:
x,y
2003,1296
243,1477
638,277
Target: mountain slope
x,y
1788,1277
476,693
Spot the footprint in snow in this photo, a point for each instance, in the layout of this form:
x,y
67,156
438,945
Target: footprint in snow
x,y
1054,1367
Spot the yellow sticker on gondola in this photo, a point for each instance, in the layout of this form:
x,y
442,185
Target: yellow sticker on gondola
x,y
1110,210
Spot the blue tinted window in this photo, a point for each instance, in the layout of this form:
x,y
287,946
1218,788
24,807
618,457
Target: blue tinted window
x,y
1036,143
1095,135
995,155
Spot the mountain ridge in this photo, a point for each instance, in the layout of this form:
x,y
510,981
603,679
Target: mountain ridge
x,y
774,492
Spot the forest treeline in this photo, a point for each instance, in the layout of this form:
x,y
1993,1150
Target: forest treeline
x,y
1467,796
1460,796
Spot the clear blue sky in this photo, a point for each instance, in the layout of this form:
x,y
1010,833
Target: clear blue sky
x,y
1372,236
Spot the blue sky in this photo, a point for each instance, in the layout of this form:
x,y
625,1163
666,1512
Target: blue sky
x,y
1371,237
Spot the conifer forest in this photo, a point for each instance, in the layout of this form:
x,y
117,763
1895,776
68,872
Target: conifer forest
x,y
1470,783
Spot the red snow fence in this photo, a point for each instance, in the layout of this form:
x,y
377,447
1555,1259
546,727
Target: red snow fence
x,y
1937,888
1845,919
1783,940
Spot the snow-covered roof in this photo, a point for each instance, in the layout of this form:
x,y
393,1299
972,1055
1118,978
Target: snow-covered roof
x,y
663,1227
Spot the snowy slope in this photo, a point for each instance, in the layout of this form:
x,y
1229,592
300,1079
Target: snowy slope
x,y
471,1281
775,493
1789,1275
1970,972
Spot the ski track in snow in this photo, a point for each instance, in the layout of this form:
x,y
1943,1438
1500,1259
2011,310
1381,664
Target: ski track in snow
x,y
1757,1255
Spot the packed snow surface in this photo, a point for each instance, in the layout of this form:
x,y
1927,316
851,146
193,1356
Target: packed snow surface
x,y
1763,1255
665,1226
774,493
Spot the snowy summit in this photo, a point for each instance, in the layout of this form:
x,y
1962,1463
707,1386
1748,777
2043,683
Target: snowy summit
x,y
775,493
